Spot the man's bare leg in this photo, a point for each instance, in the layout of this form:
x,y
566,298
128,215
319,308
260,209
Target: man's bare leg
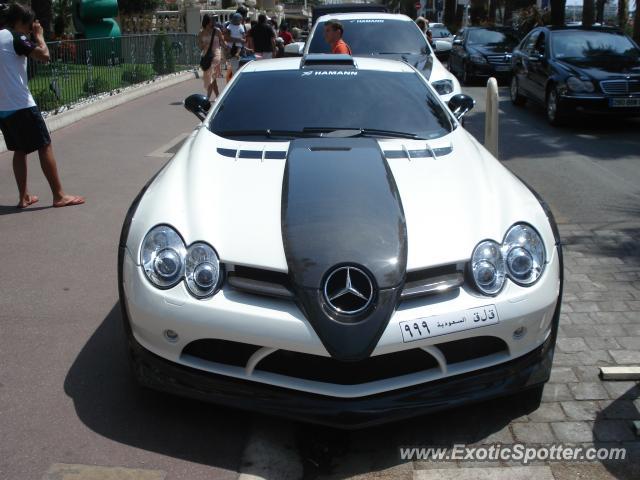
x,y
50,169
20,172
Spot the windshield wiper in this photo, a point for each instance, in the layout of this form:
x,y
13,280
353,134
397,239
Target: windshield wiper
x,y
333,132
263,133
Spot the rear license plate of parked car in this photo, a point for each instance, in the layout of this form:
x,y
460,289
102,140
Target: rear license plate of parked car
x,y
624,102
448,323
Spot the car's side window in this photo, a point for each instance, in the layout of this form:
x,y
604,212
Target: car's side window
x,y
529,42
540,45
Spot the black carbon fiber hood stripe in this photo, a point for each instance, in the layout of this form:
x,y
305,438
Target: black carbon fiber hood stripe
x,y
341,206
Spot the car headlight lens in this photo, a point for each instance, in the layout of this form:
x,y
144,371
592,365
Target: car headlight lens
x,y
525,253
202,271
478,58
488,268
443,87
577,85
521,257
162,256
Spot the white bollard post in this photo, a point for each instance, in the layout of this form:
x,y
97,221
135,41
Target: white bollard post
x,y
491,118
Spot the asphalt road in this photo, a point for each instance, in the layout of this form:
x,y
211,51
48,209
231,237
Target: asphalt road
x,y
65,392
588,172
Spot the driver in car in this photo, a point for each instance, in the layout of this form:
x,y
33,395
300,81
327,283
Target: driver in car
x,y
333,31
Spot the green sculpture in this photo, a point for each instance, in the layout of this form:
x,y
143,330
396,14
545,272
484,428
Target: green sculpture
x,y
96,18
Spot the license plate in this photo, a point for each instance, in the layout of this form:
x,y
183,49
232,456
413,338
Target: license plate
x,y
503,68
448,323
624,102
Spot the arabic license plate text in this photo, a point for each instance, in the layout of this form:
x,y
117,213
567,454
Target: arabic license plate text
x,y
625,102
448,323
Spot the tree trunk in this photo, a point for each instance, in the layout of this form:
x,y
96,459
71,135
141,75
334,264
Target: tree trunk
x,y
557,12
600,10
623,14
450,14
636,23
508,13
460,12
44,12
477,11
587,13
493,7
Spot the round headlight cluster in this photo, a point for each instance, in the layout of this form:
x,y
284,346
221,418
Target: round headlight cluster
x,y
162,254
525,254
202,270
487,265
521,257
166,261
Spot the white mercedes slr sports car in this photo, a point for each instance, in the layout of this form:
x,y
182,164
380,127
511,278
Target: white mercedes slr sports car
x,y
331,245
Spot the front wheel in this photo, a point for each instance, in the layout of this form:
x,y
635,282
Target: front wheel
x,y
516,98
556,114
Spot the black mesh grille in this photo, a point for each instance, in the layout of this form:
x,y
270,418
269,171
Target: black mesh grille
x,y
329,370
471,348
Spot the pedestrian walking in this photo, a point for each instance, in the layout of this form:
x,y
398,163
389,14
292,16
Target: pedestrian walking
x,y
210,40
333,31
21,122
264,39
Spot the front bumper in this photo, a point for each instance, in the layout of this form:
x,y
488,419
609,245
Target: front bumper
x,y
597,104
489,70
236,316
275,324
523,373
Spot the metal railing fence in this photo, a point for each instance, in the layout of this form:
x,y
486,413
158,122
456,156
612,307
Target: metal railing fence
x,y
81,69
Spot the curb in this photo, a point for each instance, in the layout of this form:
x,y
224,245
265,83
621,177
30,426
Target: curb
x,y
64,119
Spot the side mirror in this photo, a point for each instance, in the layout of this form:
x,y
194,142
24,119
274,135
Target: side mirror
x,y
295,49
442,46
457,41
461,104
198,104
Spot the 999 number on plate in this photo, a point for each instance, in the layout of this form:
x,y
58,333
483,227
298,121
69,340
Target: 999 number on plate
x,y
448,323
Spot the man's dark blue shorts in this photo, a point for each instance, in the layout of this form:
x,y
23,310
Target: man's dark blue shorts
x,y
25,130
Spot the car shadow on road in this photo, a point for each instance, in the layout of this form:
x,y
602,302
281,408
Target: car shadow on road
x,y
108,401
332,453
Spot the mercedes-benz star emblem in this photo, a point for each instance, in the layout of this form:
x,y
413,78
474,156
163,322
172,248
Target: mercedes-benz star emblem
x,y
348,290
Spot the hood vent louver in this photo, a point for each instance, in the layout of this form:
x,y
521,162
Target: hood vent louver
x,y
253,154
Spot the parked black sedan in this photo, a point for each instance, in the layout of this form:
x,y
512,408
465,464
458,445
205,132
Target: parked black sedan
x,y
577,69
483,52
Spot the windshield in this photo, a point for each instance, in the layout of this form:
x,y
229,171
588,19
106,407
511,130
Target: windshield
x,y
329,99
374,36
586,45
493,37
440,32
